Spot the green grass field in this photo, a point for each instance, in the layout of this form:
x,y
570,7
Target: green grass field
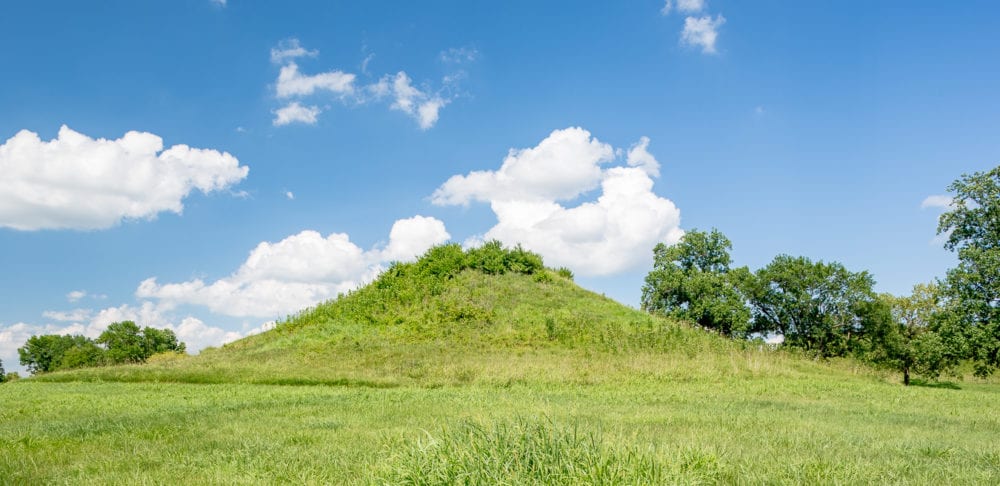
x,y
507,379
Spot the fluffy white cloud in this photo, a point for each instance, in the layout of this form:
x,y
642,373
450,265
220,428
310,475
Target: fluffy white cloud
x,y
293,83
299,271
702,32
937,201
290,49
685,6
295,113
77,182
563,166
639,156
422,106
613,233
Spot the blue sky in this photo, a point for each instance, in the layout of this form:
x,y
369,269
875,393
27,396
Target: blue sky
x,y
307,144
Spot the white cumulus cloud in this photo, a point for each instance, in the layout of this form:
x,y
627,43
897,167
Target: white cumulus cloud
x,y
702,32
295,113
299,271
77,182
613,233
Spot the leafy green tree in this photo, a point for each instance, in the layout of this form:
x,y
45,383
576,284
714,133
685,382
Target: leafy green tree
x,y
693,280
814,305
3,375
973,228
124,342
903,333
84,353
46,353
160,341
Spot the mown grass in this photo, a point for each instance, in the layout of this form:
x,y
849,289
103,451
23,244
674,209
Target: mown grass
x,y
465,378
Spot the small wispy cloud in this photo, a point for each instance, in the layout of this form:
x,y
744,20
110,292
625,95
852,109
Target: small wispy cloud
x,y
683,6
702,32
295,113
458,55
290,49
422,103
937,201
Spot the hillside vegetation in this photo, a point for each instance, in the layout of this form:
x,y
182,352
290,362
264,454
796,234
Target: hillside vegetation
x,y
484,367
487,315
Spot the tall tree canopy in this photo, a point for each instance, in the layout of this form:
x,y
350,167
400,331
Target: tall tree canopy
x,y
973,228
693,280
814,305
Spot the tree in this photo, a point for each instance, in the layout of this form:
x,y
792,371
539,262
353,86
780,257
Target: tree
x,y
3,375
814,305
124,342
905,333
973,228
160,341
47,352
692,280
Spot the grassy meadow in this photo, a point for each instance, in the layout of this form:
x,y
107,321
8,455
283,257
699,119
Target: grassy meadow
x,y
493,379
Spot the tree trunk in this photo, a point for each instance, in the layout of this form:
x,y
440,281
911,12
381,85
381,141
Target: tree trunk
x,y
906,376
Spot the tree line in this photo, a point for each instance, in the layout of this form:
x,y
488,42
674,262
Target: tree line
x,y
122,342
827,310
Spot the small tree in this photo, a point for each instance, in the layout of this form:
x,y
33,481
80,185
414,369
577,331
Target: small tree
x,y
160,341
692,280
903,333
3,375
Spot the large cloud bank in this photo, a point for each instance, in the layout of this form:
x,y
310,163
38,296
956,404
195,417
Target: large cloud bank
x,y
609,234
299,271
78,182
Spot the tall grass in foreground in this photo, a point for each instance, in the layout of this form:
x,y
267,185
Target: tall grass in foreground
x,y
519,452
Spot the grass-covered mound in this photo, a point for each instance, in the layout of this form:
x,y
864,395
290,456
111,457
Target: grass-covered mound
x,y
488,314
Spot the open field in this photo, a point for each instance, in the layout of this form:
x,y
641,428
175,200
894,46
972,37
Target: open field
x,y
822,427
503,379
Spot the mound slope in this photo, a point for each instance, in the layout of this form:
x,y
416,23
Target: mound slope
x,y
488,314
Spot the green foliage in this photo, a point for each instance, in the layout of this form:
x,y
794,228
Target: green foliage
x,y
815,305
46,353
11,376
903,333
121,342
973,228
520,452
84,354
565,273
3,375
155,341
124,342
692,280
